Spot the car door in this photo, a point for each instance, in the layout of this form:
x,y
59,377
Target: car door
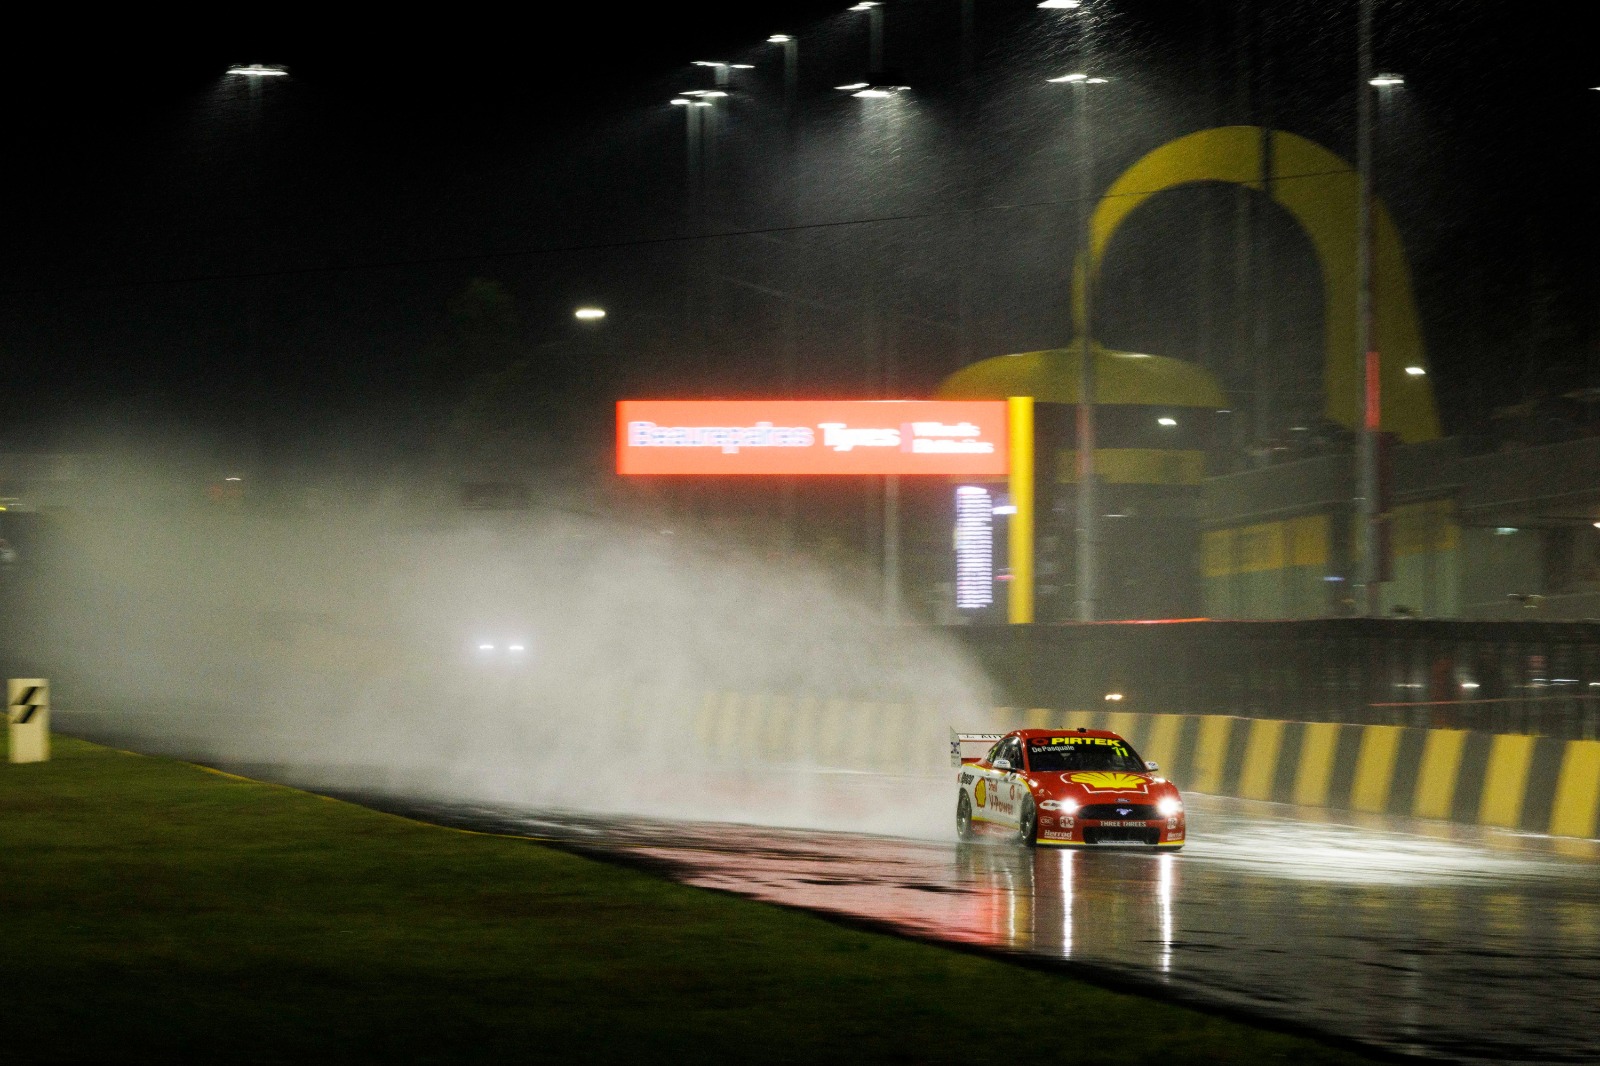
x,y
998,801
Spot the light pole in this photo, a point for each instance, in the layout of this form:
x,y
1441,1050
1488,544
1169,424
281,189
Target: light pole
x,y
693,102
791,72
255,76
721,69
696,104
791,317
1369,363
1087,533
874,13
891,484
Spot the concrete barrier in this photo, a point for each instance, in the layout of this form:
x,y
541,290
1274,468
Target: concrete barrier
x,y
1537,784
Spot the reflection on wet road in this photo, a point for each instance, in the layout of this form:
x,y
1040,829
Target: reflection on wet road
x,y
1447,943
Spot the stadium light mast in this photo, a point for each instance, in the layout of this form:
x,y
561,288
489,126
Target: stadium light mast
x,y
1087,541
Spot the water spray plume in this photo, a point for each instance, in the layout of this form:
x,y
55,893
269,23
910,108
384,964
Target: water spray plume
x,y
548,660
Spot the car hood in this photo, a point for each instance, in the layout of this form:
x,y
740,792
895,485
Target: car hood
x,y
1100,786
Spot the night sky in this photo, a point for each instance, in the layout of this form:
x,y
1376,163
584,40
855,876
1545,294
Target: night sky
x,y
277,271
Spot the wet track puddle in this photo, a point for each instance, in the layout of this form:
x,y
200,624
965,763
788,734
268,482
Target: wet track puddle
x,y
1443,943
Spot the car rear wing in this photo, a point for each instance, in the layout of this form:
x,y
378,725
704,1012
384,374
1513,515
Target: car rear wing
x,y
970,747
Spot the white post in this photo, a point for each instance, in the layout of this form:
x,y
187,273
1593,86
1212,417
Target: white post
x,y
28,718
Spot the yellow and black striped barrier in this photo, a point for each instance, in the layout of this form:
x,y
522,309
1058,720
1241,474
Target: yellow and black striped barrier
x,y
1538,784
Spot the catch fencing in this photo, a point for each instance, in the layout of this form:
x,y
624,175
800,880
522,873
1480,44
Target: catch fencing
x,y
1537,678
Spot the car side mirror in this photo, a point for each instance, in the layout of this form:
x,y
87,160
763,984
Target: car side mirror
x,y
1151,765
1002,764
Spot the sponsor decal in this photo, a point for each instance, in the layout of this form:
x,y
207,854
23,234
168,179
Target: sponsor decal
x,y
1105,781
949,437
1113,741
966,779
980,792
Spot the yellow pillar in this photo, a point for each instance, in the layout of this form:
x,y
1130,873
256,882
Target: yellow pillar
x,y
1019,411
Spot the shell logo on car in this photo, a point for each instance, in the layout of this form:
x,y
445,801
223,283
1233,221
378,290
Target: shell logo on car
x,y
980,791
1100,781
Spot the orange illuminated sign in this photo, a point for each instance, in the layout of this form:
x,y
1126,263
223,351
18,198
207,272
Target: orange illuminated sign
x,y
961,438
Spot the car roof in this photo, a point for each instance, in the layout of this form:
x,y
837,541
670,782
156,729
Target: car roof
x,y
1031,734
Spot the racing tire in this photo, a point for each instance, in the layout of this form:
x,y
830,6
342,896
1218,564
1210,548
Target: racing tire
x,y
1028,824
964,818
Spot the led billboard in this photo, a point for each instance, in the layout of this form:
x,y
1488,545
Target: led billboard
x,y
960,438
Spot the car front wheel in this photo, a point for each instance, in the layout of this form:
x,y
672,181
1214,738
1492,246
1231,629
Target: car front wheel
x,y
1028,824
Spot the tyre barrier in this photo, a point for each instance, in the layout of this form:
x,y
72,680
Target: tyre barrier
x,y
1512,781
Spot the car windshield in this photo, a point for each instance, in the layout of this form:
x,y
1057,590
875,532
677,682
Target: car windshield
x,y
1050,754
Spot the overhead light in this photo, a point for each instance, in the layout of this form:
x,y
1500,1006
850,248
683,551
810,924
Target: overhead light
x,y
710,93
694,92
868,91
1415,371
702,103
779,38
1166,421
741,66
866,5
1069,77
259,70
680,101
707,63
1597,525
1095,81
589,314
1061,5
1113,697
1384,81
232,479
1504,531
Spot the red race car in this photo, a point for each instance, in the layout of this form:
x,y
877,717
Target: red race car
x,y
1067,788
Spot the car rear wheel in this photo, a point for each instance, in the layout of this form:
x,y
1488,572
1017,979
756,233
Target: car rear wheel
x,y
963,817
1028,824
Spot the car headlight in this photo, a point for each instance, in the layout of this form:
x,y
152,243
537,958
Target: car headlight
x,y
1169,806
1066,806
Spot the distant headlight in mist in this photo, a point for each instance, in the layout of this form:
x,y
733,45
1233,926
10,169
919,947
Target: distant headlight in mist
x,y
1168,807
495,650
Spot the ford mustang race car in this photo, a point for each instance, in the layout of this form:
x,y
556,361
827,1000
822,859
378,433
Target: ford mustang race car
x,y
1065,788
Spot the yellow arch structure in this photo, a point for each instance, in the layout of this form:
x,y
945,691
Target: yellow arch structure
x,y
1319,189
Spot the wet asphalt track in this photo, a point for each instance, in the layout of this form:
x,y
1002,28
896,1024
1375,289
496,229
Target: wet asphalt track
x,y
1441,942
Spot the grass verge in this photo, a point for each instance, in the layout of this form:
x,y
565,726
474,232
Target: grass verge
x,y
150,910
